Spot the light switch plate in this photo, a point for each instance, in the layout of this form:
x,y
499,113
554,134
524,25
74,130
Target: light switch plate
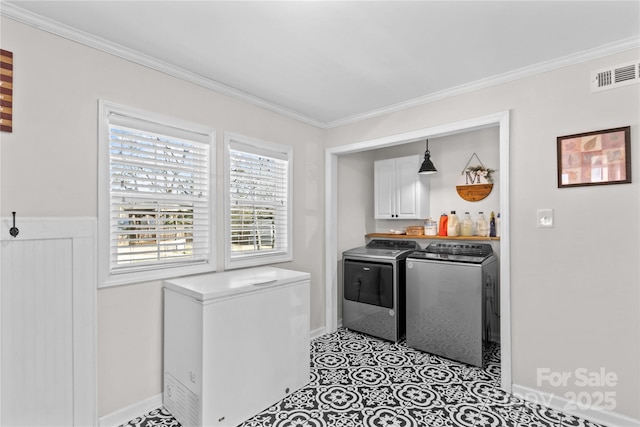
x,y
545,218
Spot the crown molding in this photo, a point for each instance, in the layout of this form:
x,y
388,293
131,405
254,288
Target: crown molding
x,y
21,15
26,17
542,67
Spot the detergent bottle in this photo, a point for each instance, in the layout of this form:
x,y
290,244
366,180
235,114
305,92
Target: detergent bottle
x,y
482,226
453,226
492,225
466,226
442,228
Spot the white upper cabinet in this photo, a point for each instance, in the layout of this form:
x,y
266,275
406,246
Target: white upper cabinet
x,y
400,192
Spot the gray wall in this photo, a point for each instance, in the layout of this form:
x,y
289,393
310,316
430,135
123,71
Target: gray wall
x,y
49,169
575,300
574,288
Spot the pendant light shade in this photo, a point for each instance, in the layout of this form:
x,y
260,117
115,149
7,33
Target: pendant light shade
x,y
427,167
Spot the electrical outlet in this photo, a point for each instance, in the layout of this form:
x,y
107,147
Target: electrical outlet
x,y
545,218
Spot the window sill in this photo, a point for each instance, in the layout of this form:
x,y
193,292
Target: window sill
x,y
158,274
256,261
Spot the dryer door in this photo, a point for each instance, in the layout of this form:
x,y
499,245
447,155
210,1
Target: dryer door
x,y
369,283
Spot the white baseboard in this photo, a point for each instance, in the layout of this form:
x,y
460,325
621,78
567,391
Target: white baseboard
x,y
559,403
124,415
318,332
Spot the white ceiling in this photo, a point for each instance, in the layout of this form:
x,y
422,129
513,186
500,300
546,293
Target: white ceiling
x,y
331,62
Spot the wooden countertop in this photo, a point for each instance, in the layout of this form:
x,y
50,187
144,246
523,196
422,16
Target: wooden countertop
x,y
405,236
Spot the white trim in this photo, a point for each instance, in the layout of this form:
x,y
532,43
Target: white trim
x,y
317,333
105,278
331,237
26,17
505,254
521,73
124,415
500,119
82,231
45,24
266,146
551,400
48,227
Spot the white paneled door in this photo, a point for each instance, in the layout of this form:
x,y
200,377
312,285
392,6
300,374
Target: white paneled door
x,y
47,346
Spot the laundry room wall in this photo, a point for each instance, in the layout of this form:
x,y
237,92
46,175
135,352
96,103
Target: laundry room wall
x,y
49,169
575,299
450,155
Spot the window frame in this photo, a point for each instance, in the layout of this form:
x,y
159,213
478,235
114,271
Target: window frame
x,y
261,147
106,277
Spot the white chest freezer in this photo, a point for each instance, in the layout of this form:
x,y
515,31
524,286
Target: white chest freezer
x,y
235,343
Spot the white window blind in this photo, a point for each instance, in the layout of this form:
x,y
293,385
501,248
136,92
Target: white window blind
x,y
159,194
259,196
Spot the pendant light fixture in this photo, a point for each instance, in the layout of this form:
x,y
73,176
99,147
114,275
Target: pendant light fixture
x,y
427,167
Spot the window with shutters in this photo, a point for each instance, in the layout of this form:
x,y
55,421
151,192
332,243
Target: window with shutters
x,y
258,202
155,200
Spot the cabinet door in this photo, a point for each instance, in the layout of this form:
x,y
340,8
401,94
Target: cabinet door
x,y
407,187
384,189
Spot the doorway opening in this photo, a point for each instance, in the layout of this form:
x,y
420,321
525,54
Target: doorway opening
x,y
332,154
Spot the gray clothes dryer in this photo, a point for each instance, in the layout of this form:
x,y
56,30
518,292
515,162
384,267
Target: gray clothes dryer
x,y
373,280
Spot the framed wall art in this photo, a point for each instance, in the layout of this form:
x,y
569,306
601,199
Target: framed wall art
x,y
595,158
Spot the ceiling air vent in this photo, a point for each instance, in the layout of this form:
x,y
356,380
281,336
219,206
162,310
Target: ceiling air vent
x,y
616,76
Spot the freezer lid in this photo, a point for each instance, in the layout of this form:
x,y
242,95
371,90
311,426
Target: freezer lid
x,y
204,287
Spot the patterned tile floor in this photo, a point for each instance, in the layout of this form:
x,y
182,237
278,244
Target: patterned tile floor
x,y
357,380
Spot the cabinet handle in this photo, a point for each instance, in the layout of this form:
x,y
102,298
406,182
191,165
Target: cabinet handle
x,y
268,282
